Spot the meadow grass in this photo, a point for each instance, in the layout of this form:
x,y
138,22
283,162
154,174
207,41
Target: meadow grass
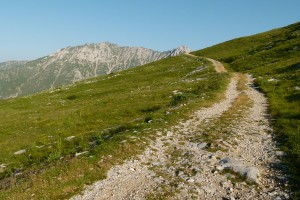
x,y
107,119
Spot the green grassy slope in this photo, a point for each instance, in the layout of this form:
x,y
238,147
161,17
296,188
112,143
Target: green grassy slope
x,y
109,116
273,57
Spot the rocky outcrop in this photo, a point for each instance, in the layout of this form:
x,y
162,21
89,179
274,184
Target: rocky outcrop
x,y
72,64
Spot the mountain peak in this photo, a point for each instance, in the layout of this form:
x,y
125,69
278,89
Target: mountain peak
x,y
75,63
180,50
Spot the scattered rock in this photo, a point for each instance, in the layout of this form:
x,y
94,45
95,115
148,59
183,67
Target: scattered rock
x,y
226,143
70,138
156,163
191,180
18,174
208,190
213,157
219,167
228,175
169,134
176,92
20,152
225,184
279,153
273,80
132,169
81,153
202,145
3,165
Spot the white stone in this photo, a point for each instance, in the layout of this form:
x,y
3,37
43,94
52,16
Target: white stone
x,y
252,174
202,145
81,153
20,152
279,153
70,138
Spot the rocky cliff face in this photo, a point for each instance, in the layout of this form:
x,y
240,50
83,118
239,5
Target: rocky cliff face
x,y
72,64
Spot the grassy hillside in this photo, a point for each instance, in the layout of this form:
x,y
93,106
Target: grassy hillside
x,y
55,142
273,58
72,64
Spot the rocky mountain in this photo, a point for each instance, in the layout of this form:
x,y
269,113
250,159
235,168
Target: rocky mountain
x,y
72,64
11,64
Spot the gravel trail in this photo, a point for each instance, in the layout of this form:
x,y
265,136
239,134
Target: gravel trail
x,y
176,166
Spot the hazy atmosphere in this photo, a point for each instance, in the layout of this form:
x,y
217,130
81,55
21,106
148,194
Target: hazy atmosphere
x,y
33,28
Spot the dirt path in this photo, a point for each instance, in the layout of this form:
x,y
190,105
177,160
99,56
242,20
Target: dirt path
x,y
221,152
218,66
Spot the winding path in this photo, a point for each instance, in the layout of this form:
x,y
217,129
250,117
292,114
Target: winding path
x,y
219,67
182,164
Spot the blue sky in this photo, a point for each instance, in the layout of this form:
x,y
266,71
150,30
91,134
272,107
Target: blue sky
x,y
30,29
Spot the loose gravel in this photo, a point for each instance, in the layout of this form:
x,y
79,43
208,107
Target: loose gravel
x,y
175,167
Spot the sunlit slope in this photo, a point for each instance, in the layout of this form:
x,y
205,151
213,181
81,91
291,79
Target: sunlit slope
x,y
273,57
92,118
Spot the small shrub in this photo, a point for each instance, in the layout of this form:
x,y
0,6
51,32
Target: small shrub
x,y
108,133
72,97
176,99
117,129
151,109
95,141
54,156
148,119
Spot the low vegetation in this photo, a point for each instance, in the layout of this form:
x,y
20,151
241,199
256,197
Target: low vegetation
x,y
56,142
273,58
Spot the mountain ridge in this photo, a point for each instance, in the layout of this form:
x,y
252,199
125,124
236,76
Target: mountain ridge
x,y
71,64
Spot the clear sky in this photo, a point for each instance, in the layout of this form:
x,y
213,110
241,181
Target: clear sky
x,y
30,29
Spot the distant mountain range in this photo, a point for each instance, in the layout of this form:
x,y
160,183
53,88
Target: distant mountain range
x,y
71,64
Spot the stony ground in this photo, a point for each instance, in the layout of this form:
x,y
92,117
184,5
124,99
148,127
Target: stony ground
x,y
225,151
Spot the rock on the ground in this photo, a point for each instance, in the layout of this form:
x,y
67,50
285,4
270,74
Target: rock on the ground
x,y
70,138
279,153
20,152
81,153
251,174
202,145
